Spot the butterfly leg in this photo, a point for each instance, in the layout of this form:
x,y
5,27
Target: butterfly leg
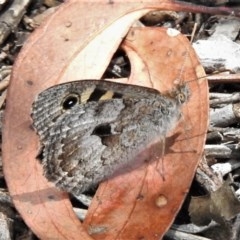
x,y
160,157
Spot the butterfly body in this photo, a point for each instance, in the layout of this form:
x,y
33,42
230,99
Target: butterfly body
x,y
90,129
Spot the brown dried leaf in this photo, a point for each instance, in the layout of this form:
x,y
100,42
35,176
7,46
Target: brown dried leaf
x,y
140,204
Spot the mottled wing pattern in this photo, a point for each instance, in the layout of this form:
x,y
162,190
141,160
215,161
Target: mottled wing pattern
x,y
89,129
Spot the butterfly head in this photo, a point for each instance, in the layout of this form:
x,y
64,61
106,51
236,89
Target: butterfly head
x,y
181,93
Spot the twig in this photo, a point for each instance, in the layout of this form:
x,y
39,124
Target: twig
x,y
220,78
4,83
225,116
178,235
10,19
232,98
217,151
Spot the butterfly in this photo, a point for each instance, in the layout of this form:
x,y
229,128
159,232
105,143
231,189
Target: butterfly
x,y
89,129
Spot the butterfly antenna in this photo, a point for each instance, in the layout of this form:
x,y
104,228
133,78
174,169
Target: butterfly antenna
x,y
179,80
208,75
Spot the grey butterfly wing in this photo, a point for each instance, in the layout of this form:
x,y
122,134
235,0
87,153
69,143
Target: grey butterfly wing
x,y
73,152
106,130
